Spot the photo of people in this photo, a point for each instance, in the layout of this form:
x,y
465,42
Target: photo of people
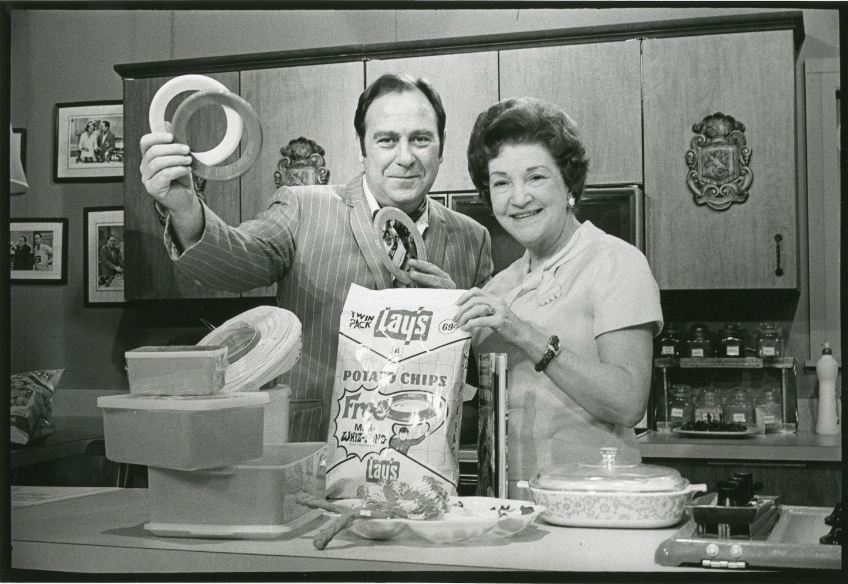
x,y
110,268
36,251
95,141
104,256
89,142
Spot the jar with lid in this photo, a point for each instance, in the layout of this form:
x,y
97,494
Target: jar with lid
x,y
768,411
680,409
739,409
670,341
769,340
731,341
708,406
698,343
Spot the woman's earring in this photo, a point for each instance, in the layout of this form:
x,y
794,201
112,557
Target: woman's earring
x,y
571,201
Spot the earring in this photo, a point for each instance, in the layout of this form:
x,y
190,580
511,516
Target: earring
x,y
571,201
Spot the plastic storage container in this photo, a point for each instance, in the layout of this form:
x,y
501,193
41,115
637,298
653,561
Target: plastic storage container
x,y
612,494
680,410
768,412
184,433
251,500
176,370
739,408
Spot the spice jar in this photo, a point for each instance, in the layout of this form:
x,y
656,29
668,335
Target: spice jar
x,y
739,409
680,409
731,341
708,406
698,344
670,341
769,340
768,411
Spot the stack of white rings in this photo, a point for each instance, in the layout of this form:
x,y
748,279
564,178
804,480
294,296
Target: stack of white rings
x,y
184,83
274,350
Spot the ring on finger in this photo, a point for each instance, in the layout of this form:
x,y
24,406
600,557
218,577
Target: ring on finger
x,y
490,311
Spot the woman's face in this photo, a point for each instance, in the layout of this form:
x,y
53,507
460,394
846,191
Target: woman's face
x,y
529,196
89,128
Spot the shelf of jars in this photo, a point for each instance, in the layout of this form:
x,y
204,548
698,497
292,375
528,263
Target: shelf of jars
x,y
757,392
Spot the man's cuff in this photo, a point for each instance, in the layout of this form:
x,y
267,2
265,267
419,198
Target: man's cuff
x,y
174,250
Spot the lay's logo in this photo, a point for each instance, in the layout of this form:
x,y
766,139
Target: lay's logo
x,y
404,325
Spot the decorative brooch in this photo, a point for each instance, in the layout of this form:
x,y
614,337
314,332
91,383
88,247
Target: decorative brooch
x,y
718,162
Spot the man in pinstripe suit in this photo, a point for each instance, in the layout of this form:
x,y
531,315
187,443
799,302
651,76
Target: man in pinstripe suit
x,y
314,241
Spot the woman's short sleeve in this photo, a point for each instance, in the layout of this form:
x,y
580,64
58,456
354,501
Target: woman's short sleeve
x,y
625,292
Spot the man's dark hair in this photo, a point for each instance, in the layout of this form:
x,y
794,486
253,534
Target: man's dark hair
x,y
398,83
38,233
107,124
25,239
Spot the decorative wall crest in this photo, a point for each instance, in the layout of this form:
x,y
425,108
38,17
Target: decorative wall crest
x,y
718,162
302,164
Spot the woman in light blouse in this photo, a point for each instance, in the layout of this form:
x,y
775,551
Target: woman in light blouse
x,y
576,314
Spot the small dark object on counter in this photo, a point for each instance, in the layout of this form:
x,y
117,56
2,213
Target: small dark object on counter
x,y
835,521
713,426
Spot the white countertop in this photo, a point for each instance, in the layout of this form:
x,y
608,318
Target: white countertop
x,y
103,532
800,447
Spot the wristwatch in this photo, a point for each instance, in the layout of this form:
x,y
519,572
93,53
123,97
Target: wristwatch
x,y
551,352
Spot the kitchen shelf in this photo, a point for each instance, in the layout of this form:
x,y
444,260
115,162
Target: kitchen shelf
x,y
725,362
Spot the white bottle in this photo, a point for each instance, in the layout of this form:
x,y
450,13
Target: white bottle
x,y
827,369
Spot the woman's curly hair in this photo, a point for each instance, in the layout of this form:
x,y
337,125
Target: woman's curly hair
x,y
527,120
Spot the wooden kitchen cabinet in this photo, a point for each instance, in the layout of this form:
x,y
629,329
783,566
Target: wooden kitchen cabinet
x,y
599,86
316,102
751,77
153,275
467,84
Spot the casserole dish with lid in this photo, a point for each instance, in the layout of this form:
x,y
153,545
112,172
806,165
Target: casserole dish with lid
x,y
612,494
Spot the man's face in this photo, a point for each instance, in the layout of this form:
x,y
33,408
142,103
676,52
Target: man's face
x,y
36,239
21,242
112,241
104,128
401,149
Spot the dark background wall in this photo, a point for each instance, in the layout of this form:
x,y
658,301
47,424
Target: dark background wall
x,y
52,62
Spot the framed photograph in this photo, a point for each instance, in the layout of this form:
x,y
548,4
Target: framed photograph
x,y
441,197
38,250
19,145
103,254
88,144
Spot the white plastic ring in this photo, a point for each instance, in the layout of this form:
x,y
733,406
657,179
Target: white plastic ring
x,y
176,86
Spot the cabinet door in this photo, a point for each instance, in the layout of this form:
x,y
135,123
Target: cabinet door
x,y
598,85
467,84
315,102
150,272
751,77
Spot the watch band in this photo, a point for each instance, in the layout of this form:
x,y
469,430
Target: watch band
x,y
551,352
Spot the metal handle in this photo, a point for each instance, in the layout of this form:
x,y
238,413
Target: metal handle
x,y
777,239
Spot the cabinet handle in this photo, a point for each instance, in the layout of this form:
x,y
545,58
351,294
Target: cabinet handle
x,y
777,239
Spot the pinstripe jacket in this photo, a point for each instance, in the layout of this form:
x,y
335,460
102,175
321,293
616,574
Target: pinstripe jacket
x,y
314,241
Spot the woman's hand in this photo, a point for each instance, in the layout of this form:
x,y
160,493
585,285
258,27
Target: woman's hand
x,y
480,309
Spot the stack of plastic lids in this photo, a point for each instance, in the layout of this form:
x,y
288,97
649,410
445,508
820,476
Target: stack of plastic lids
x,y
262,343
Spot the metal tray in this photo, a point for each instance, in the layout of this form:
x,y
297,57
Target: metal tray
x,y
792,542
704,510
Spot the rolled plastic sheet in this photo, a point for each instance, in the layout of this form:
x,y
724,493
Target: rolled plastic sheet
x,y
263,343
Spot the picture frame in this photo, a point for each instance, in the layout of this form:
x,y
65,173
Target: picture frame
x,y
103,256
440,197
83,155
19,145
38,251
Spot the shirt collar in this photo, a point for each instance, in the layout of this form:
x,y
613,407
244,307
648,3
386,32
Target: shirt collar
x,y
374,206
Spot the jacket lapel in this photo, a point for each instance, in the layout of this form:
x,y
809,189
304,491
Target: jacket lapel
x,y
436,236
361,224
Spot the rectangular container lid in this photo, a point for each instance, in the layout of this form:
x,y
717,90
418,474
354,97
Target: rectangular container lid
x,y
175,351
183,402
